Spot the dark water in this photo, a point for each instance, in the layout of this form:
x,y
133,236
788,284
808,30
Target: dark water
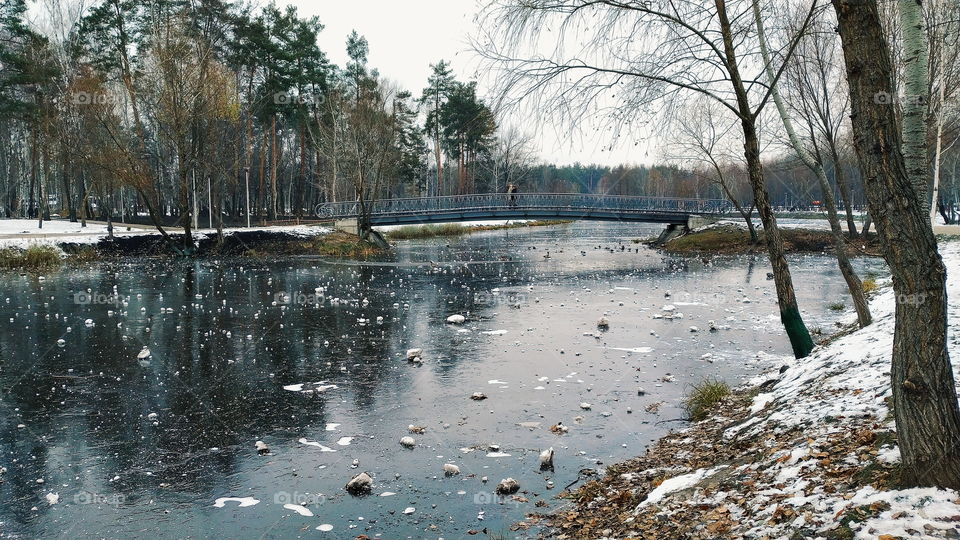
x,y
144,448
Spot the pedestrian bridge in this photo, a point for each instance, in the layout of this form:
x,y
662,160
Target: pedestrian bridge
x,y
688,213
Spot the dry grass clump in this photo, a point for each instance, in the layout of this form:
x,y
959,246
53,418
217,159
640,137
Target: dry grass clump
x,y
33,259
703,396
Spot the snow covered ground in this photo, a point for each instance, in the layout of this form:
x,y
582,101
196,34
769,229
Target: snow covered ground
x,y
840,391
29,227
24,232
812,455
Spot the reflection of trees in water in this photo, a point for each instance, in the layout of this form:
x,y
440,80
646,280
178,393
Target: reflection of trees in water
x,y
202,398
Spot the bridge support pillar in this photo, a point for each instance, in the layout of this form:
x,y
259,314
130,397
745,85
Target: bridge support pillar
x,y
672,231
695,222
348,225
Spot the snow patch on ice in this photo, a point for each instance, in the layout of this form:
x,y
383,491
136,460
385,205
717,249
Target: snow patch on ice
x,y
244,501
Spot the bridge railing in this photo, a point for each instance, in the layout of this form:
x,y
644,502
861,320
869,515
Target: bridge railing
x,y
504,201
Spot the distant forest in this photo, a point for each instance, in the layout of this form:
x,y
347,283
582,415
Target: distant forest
x,y
163,110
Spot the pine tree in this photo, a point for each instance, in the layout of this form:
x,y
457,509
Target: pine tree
x,y
467,127
17,72
435,96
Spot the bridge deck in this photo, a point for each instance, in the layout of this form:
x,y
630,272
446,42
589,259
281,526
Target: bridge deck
x,y
497,206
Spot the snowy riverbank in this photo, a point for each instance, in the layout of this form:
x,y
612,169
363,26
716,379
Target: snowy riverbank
x,y
24,232
67,237
809,452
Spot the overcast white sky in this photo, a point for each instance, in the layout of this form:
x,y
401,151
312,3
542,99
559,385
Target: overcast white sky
x,y
405,37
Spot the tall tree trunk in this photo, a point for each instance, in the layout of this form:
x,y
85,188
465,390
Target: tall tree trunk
x,y
461,168
334,160
83,201
916,79
65,179
33,171
220,201
302,177
854,285
43,211
937,155
841,179
439,159
186,218
437,153
261,190
109,209
924,395
272,212
790,316
839,242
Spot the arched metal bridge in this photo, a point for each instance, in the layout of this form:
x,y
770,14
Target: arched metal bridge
x,y
497,206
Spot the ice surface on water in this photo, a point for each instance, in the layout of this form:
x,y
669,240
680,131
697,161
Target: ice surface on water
x,y
232,367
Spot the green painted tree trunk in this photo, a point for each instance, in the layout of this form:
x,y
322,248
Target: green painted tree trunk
x,y
790,317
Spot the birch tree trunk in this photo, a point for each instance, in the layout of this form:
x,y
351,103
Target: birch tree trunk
x,y
921,378
916,98
839,242
935,191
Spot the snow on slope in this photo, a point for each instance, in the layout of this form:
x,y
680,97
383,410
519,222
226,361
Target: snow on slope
x,y
826,396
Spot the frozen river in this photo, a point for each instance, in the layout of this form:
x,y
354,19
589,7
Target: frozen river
x,y
309,357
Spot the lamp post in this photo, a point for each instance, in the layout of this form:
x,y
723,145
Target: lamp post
x,y
247,173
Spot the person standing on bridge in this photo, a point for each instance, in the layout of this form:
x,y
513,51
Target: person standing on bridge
x,y
512,194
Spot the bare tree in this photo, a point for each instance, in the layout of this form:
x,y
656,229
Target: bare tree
x,y
921,377
638,54
942,19
511,157
701,134
327,136
816,94
815,164
369,146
